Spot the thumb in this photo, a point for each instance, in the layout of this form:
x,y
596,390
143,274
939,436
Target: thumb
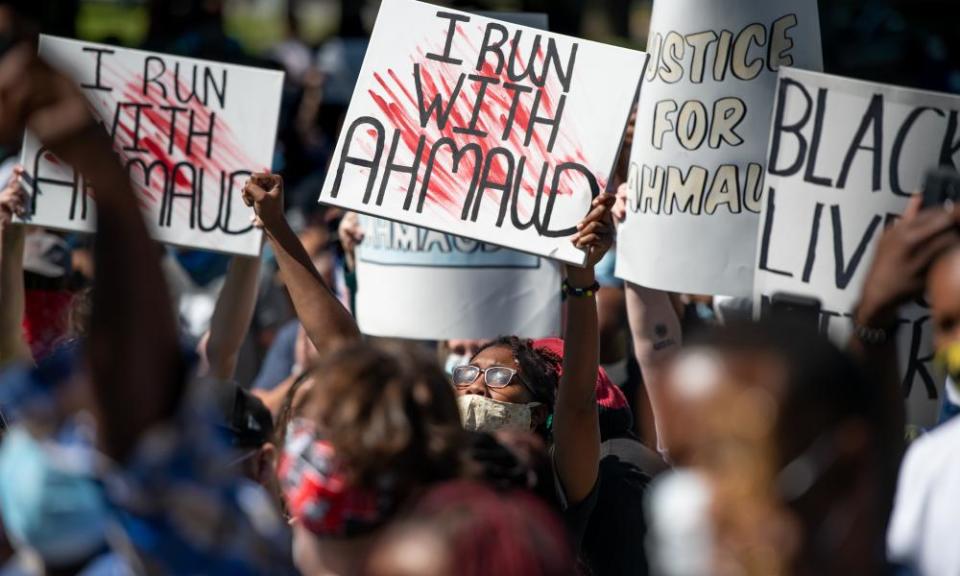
x,y
252,193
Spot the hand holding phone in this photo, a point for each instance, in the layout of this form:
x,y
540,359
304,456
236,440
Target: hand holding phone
x,y
942,188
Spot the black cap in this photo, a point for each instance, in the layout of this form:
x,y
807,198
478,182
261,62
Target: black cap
x,y
246,418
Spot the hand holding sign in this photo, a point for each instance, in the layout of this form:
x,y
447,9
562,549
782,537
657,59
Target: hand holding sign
x,y
13,200
904,252
188,133
595,232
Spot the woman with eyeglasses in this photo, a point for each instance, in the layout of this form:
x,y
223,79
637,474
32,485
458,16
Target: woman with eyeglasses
x,y
512,384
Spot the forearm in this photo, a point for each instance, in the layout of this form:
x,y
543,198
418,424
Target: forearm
x,y
879,363
232,315
657,337
327,323
12,345
134,355
654,326
576,418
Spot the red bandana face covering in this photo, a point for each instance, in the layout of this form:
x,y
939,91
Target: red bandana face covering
x,y
45,319
317,492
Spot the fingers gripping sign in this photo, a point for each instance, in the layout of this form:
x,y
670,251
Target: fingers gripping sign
x,y
595,232
13,198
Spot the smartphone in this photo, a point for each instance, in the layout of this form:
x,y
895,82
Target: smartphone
x,y
795,307
942,187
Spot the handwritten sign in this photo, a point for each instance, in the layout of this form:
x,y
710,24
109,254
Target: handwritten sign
x,y
426,285
188,131
845,156
696,167
482,128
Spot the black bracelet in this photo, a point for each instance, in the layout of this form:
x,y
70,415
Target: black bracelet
x,y
569,290
875,336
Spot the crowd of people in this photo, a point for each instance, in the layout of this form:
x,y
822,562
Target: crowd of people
x,y
166,411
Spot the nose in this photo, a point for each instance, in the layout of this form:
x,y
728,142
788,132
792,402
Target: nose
x,y
476,387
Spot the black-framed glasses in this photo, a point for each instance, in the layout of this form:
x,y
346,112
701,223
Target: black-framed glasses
x,y
493,377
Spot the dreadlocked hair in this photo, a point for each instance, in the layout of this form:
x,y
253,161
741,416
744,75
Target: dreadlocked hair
x,y
539,367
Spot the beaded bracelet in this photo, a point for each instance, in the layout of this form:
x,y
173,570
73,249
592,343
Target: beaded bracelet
x,y
874,336
569,290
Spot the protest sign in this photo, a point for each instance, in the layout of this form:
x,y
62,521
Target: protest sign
x,y
703,118
420,284
188,131
845,157
482,128
417,283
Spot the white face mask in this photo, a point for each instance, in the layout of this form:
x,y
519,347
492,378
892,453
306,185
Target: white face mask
x,y
482,414
680,542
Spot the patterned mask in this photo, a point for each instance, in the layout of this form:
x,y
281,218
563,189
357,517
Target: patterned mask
x,y
317,492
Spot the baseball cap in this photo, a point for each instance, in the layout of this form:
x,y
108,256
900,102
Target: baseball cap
x,y
246,419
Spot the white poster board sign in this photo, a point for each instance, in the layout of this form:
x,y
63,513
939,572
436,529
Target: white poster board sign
x,y
845,156
703,118
416,283
482,128
189,132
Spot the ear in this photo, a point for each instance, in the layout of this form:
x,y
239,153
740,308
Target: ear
x,y
539,416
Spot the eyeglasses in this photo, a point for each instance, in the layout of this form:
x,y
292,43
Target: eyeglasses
x,y
493,377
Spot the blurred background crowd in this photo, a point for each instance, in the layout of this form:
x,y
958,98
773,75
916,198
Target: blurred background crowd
x,y
320,45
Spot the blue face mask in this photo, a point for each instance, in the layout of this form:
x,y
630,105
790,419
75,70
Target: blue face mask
x,y
59,514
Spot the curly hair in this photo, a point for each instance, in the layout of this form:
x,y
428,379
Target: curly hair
x,y
539,367
388,410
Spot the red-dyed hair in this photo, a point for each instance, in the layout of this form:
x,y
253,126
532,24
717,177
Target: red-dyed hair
x,y
488,532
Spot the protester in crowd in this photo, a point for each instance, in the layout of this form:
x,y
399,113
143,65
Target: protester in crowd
x,y
169,464
368,431
785,438
469,529
920,255
511,383
626,469
903,257
249,427
13,202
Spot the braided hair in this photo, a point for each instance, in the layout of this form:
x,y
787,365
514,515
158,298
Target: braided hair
x,y
540,368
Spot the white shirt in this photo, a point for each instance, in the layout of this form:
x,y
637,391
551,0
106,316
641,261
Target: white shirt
x,y
926,515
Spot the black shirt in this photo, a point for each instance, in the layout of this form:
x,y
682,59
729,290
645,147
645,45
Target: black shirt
x,y
615,535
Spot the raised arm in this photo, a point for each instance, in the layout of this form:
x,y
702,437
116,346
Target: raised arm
x,y
12,202
327,323
656,334
897,276
231,316
576,426
133,354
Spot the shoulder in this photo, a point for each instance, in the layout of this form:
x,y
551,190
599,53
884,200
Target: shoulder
x,y
925,490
